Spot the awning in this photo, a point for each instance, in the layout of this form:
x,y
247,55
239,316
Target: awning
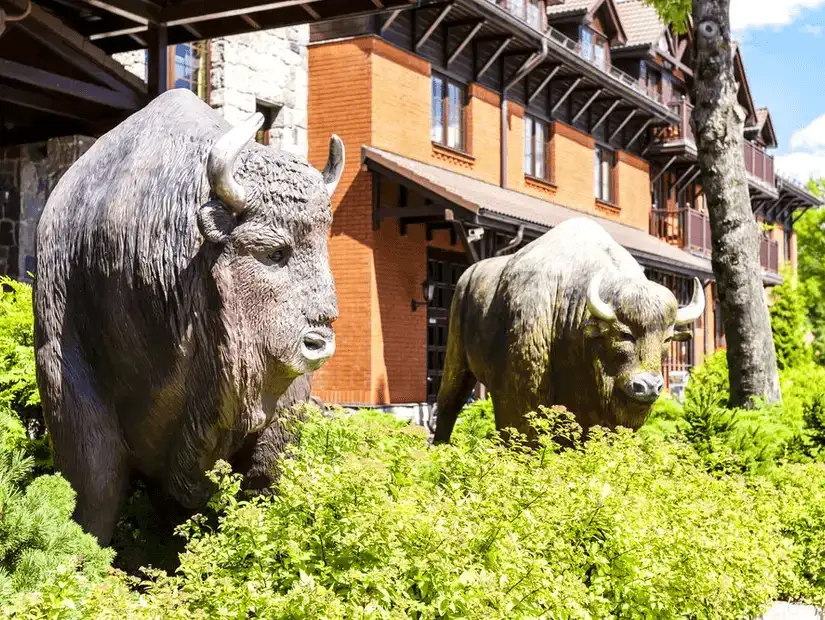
x,y
485,201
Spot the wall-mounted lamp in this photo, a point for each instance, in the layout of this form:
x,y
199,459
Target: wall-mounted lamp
x,y
427,290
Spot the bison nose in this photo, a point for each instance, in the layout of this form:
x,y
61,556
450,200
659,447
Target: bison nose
x,y
318,345
645,387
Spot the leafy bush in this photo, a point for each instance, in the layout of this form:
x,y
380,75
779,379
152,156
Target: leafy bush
x,y
789,323
18,383
37,535
371,522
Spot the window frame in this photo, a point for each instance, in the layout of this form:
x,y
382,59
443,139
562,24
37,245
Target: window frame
x,y
444,141
201,86
531,122
596,39
597,168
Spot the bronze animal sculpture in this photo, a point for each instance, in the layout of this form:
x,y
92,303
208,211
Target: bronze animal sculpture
x,y
571,320
183,295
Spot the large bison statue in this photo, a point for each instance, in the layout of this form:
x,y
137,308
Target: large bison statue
x,y
183,294
570,320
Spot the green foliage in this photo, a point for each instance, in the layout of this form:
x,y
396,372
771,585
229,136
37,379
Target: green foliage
x,y
477,420
673,12
810,234
18,384
371,522
37,535
789,323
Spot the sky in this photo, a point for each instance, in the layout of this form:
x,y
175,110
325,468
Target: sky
x,y
783,48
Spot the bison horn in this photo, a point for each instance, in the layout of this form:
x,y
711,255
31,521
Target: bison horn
x,y
335,164
695,308
598,308
221,162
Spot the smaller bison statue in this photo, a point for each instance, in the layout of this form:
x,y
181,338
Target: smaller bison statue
x,y
183,298
570,320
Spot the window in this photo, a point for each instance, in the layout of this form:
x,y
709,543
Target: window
x,y
270,112
536,140
651,81
190,68
534,14
530,11
447,124
594,47
603,174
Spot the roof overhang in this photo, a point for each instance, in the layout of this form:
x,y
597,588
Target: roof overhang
x,y
451,195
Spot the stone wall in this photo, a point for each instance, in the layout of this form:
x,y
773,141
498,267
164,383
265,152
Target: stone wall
x,y
28,174
267,68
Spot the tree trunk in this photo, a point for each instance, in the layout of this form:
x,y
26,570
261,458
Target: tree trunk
x,y
718,124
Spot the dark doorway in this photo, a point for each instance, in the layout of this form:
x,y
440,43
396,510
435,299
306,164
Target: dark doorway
x,y
443,270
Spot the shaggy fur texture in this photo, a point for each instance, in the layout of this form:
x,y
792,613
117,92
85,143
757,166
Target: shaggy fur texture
x,y
520,324
166,327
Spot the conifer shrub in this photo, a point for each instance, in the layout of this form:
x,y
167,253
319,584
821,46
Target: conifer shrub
x,y
789,323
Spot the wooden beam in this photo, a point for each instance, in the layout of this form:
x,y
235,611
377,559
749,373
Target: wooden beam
x,y
639,133
431,29
687,173
133,10
251,22
621,126
389,21
407,212
39,102
498,51
378,4
604,116
663,170
586,105
543,84
566,94
205,10
157,66
312,12
46,80
47,37
465,41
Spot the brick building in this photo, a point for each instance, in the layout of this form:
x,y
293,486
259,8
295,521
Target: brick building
x,y
473,127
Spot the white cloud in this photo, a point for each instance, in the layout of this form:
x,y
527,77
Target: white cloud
x,y
810,138
802,166
746,14
811,29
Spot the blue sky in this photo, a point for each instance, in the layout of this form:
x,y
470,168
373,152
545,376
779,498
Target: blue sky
x,y
783,46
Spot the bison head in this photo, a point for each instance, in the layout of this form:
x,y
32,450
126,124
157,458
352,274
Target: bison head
x,y
267,225
630,335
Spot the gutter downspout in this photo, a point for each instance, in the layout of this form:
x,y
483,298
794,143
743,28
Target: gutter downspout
x,y
531,64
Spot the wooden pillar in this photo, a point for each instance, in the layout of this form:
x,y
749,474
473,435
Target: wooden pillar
x,y
158,60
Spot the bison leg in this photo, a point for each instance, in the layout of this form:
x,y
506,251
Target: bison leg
x,y
86,441
456,383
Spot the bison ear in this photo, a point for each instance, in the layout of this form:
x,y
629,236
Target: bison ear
x,y
215,222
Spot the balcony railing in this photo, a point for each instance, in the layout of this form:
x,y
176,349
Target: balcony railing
x,y
523,9
685,228
690,229
769,255
758,163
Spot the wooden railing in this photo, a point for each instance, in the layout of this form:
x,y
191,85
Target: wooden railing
x,y
685,228
769,255
758,163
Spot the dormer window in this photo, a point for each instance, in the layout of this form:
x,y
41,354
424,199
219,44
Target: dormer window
x,y
531,11
594,47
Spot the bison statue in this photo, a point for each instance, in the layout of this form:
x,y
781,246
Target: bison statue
x,y
183,295
570,320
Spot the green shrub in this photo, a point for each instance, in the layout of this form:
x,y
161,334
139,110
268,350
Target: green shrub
x,y
37,535
371,522
18,383
789,323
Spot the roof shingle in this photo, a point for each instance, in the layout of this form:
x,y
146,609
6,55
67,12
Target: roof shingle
x,y
570,6
641,22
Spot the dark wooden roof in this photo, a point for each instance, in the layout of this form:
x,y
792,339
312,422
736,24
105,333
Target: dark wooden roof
x,y
121,25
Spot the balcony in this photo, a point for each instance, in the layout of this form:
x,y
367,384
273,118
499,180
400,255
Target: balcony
x,y
525,11
685,228
690,230
758,163
769,255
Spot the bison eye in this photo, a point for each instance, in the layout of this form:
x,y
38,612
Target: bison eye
x,y
279,256
626,337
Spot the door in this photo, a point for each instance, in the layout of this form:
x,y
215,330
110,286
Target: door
x,y
443,270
